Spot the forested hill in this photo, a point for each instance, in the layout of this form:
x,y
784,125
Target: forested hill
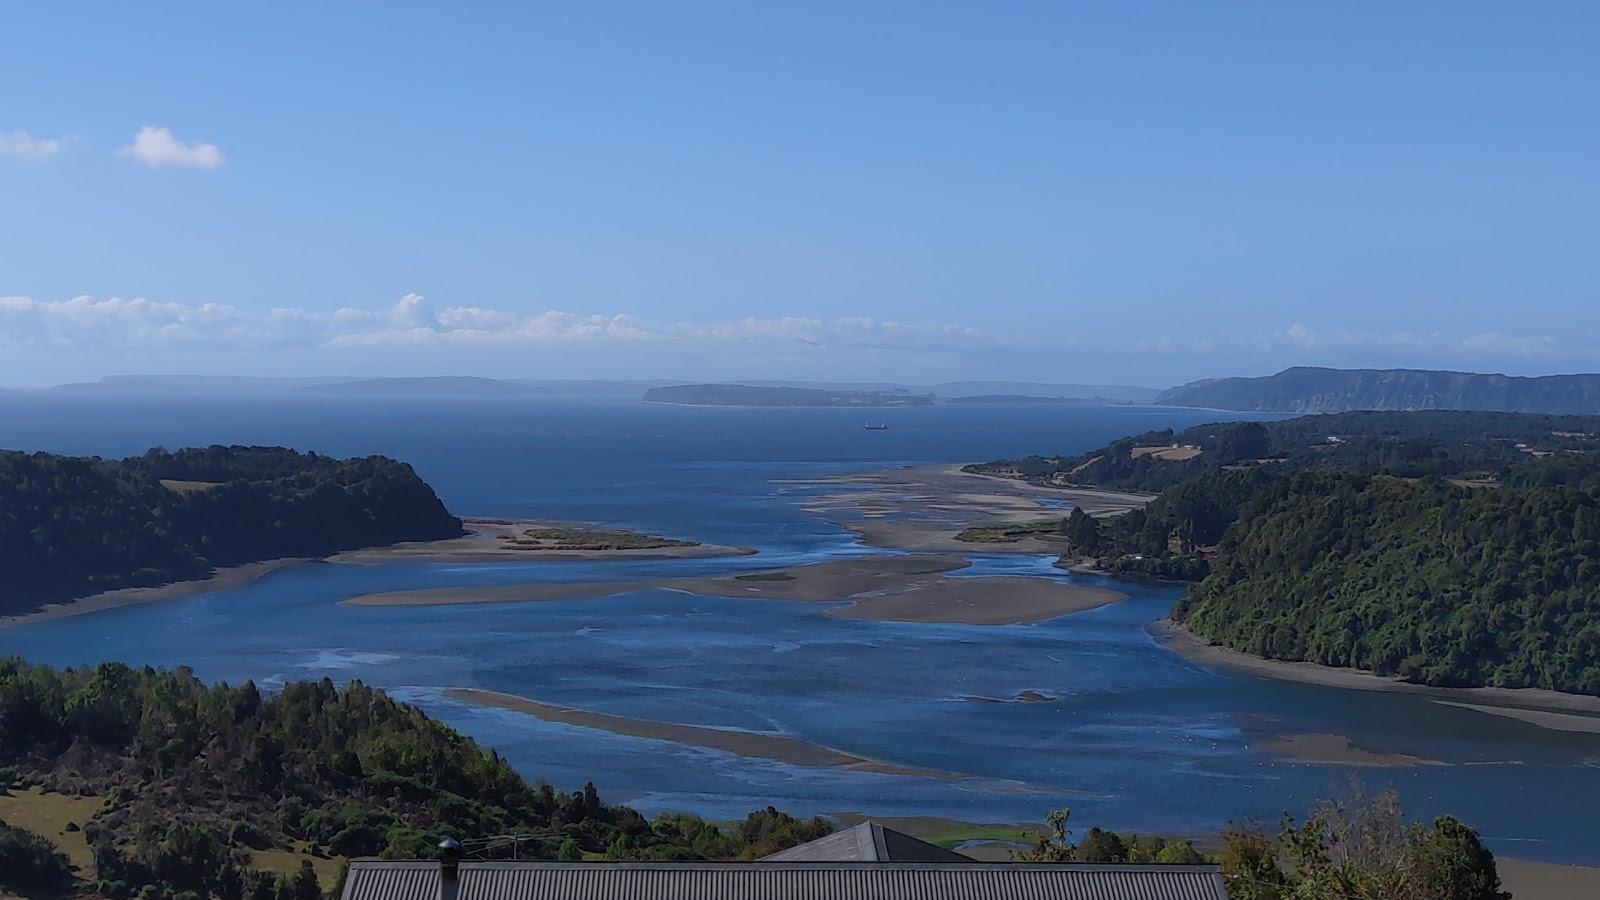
x,y
1306,389
1423,579
202,784
1446,547
72,526
1448,444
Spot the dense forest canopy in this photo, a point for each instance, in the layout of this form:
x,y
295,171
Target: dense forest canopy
x,y
1437,583
73,526
1452,548
197,778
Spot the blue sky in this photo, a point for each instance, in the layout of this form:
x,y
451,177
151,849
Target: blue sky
x,y
1130,192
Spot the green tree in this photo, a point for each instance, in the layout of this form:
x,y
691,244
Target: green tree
x,y
1249,861
1082,532
1054,844
1450,861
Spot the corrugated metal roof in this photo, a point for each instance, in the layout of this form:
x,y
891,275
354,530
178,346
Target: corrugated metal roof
x,y
377,880
867,842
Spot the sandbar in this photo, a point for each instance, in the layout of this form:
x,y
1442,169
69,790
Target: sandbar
x,y
1499,700
1337,750
922,508
1000,600
779,748
882,588
499,540
1555,721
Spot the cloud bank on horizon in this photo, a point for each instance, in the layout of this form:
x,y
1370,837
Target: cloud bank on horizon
x,y
86,337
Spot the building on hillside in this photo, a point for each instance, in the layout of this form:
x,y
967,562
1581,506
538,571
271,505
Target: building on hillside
x,y
867,862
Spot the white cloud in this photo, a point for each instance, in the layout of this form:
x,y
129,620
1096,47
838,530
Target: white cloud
x,y
156,147
87,322
22,145
89,336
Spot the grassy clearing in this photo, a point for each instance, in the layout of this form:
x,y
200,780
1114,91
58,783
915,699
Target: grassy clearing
x,y
948,832
1170,454
47,815
189,487
287,862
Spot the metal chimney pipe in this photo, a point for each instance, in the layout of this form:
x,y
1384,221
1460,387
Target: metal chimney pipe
x,y
449,868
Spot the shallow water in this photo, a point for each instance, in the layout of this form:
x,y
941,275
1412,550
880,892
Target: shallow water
x,y
1137,738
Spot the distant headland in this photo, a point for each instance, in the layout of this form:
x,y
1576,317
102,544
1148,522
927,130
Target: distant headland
x,y
1310,389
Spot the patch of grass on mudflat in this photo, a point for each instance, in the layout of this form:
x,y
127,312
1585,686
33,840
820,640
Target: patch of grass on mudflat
x,y
765,576
1007,534
594,539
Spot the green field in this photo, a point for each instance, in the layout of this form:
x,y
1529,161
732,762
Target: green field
x,y
47,814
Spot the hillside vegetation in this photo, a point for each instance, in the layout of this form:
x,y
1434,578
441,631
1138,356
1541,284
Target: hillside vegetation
x,y
72,526
199,779
1450,548
1429,581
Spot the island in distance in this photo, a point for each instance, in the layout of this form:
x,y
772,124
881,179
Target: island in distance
x,y
890,395
756,395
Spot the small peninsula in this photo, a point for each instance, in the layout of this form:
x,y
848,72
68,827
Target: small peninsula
x,y
1445,548
72,527
763,395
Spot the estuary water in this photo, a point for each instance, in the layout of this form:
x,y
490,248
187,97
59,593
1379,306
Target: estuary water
x,y
1137,737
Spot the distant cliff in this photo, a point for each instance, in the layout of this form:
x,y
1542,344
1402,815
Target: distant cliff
x,y
1305,389
750,395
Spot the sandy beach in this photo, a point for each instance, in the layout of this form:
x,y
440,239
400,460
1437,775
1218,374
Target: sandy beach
x,y
741,743
884,588
1530,880
222,579
1545,709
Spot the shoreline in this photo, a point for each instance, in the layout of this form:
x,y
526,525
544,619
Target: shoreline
x,y
1534,706
477,545
220,580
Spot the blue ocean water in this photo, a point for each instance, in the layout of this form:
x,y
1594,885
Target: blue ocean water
x,y
1138,738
